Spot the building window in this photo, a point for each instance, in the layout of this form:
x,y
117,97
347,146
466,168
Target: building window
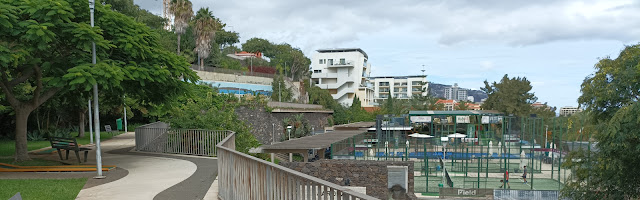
x,y
317,71
384,83
330,61
321,61
342,61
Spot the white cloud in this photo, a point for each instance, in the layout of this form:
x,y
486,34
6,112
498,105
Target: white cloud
x,y
317,24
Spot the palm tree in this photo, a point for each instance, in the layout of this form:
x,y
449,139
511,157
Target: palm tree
x,y
182,12
205,26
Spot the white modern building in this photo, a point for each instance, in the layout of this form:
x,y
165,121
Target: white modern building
x,y
455,93
401,87
344,73
569,110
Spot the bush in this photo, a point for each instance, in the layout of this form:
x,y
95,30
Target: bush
x,y
212,111
35,135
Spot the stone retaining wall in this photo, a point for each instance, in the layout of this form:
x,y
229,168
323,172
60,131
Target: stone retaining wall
x,y
369,174
264,124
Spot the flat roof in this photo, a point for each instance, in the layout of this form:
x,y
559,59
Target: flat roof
x,y
453,112
319,141
343,50
400,77
354,126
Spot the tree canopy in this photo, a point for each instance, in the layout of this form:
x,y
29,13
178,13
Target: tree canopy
x,y
510,96
46,45
610,98
295,64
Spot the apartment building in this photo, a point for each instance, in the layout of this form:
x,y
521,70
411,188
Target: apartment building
x,y
401,87
569,110
344,73
455,93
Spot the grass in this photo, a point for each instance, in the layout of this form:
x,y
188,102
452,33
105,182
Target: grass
x,y
33,162
41,188
7,147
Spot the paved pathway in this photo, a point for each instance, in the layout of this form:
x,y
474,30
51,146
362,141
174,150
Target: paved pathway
x,y
150,176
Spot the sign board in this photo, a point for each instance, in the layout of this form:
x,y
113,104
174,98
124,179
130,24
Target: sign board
x,y
370,140
107,128
465,192
444,139
469,139
398,175
420,119
525,194
463,119
491,119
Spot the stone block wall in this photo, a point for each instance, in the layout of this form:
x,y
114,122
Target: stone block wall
x,y
264,124
363,173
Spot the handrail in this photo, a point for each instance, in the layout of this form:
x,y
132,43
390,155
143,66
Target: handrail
x,y
242,176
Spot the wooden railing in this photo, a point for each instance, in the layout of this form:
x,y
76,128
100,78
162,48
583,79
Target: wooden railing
x,y
242,176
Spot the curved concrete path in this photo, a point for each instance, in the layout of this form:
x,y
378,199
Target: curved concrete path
x,y
151,176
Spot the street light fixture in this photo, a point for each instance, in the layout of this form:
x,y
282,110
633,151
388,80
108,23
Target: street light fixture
x,y
96,114
289,131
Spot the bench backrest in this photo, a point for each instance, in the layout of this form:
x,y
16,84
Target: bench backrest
x,y
58,142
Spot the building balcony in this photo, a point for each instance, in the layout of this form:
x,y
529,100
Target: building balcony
x,y
324,75
347,63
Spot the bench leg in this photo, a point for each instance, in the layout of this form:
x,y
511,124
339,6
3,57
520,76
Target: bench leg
x,y
85,155
78,156
67,154
59,153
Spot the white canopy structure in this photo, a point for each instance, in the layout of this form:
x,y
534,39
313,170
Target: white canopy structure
x,y
457,135
418,135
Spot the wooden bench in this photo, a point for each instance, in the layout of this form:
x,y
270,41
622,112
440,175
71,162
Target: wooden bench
x,y
69,144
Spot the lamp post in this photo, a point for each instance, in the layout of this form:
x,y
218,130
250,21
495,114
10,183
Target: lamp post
x,y
96,116
289,131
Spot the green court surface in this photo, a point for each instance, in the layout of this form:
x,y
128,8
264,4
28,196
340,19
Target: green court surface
x,y
420,183
460,166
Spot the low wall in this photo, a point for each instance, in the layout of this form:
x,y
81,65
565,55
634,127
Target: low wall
x,y
363,173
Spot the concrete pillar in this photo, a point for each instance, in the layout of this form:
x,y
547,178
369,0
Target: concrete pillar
x,y
273,158
305,155
290,157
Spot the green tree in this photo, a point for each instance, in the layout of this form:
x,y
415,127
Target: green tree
x,y
128,8
46,45
182,11
610,98
280,91
462,105
395,106
226,38
212,111
510,96
205,27
258,44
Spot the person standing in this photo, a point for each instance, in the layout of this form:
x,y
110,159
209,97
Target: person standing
x,y
524,175
506,179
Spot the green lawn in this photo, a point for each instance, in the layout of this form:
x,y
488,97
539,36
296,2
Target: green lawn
x,y
7,147
41,188
34,162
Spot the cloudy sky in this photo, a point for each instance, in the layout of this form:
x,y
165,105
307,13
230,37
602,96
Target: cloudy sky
x,y
554,43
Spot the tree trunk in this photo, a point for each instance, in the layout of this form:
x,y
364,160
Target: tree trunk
x,y
81,123
22,116
178,44
201,64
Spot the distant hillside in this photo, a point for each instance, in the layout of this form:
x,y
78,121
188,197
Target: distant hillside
x,y
437,90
